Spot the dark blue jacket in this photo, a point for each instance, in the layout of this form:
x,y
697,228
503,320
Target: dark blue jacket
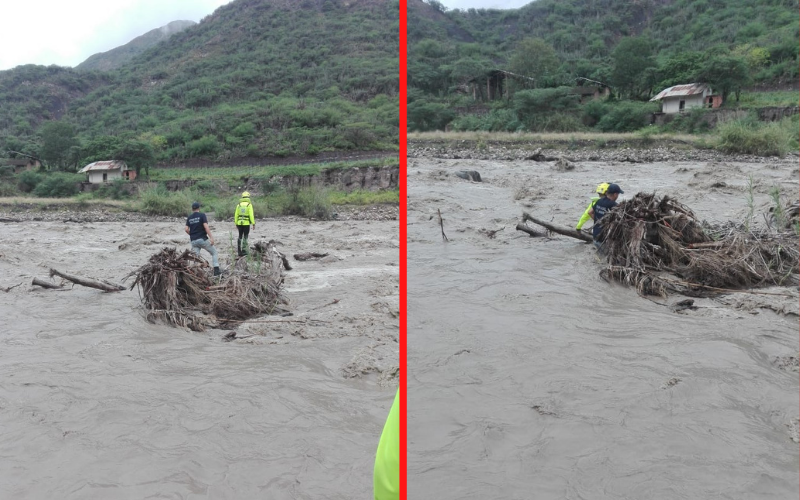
x,y
601,208
195,222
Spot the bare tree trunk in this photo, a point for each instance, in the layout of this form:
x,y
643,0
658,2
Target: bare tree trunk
x,y
531,232
44,284
309,256
572,233
91,283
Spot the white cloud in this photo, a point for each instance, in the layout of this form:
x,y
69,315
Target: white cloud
x,y
65,33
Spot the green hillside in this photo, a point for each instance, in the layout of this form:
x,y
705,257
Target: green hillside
x,y
256,78
638,47
118,56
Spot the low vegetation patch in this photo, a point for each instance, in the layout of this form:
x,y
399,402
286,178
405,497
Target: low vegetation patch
x,y
159,201
748,136
363,197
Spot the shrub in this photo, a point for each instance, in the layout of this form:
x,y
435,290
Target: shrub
x,y
114,190
748,136
58,186
7,190
159,201
626,117
594,111
206,145
27,181
311,202
691,122
363,197
6,171
537,108
497,120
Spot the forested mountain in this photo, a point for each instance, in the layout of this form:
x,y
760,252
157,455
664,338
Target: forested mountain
x,y
118,56
255,78
635,46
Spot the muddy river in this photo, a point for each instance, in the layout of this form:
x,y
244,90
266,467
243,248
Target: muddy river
x,y
531,377
96,403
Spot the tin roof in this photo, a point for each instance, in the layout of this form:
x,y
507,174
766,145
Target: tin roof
x,y
681,90
104,165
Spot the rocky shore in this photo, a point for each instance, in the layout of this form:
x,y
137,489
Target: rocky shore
x,y
73,214
579,151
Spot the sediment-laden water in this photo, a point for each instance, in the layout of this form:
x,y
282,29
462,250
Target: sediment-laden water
x,y
96,403
531,377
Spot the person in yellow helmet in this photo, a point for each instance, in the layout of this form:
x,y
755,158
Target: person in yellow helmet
x,y
244,219
386,476
587,214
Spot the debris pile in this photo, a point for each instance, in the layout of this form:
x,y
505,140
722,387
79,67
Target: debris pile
x,y
648,238
177,288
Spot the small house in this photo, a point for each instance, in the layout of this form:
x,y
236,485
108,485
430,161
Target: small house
x,y
493,85
590,90
678,98
107,171
20,164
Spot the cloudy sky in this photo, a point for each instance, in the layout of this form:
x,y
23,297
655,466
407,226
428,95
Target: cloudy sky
x,y
67,32
484,4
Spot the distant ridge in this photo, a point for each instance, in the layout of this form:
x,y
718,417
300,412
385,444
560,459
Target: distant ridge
x,y
117,57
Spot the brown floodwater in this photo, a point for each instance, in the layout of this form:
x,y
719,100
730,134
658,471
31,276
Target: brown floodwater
x,y
96,403
531,377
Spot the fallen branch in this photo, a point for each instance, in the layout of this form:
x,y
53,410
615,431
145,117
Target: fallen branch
x,y
309,256
12,287
334,301
44,284
441,224
572,233
708,244
531,232
88,282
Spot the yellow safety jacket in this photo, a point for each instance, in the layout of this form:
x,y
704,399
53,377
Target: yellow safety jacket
x,y
585,217
386,477
244,213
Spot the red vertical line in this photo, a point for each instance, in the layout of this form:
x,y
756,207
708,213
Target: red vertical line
x,y
401,181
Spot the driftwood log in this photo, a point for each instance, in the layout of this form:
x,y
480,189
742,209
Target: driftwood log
x,y
441,225
264,247
531,232
88,282
309,256
565,231
44,284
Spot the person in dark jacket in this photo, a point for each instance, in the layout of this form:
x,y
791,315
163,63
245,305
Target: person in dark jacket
x,y
600,209
200,235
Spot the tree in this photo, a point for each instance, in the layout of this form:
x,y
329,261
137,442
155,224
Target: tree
x,y
725,74
57,140
101,148
631,60
680,68
137,154
535,107
537,59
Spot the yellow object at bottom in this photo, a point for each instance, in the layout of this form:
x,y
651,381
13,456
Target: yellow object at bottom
x,y
386,478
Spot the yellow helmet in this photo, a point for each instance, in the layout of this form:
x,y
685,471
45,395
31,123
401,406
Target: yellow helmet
x,y
246,194
601,188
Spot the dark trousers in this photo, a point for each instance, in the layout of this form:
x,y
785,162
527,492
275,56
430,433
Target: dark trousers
x,y
241,243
